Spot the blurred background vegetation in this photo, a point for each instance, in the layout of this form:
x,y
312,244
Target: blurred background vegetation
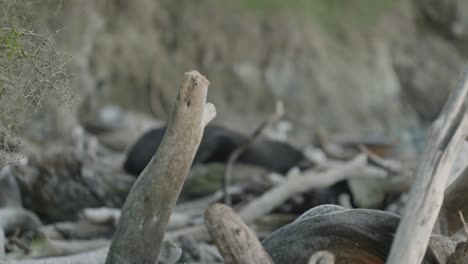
x,y
373,69
330,14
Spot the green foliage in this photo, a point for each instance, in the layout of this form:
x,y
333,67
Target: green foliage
x,y
32,71
10,42
331,14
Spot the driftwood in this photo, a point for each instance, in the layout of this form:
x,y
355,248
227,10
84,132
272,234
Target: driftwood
x,y
297,184
448,133
149,204
353,236
234,239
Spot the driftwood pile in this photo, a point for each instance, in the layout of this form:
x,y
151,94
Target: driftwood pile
x,y
64,206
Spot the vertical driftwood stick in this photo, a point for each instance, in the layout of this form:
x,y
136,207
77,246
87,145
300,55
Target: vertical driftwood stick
x,y
448,133
234,240
148,207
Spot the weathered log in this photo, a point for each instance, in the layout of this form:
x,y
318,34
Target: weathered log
x,y
234,239
149,204
448,133
353,236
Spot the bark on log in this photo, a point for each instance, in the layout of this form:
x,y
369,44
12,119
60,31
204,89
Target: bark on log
x,y
455,199
148,207
448,133
233,238
353,236
460,256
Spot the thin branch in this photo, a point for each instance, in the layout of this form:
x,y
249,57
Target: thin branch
x,y
279,112
462,219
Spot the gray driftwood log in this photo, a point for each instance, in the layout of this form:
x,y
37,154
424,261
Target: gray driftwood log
x,y
233,238
353,236
148,207
448,134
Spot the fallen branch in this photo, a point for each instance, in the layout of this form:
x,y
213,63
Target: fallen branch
x,y
448,133
279,112
148,207
234,239
298,184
